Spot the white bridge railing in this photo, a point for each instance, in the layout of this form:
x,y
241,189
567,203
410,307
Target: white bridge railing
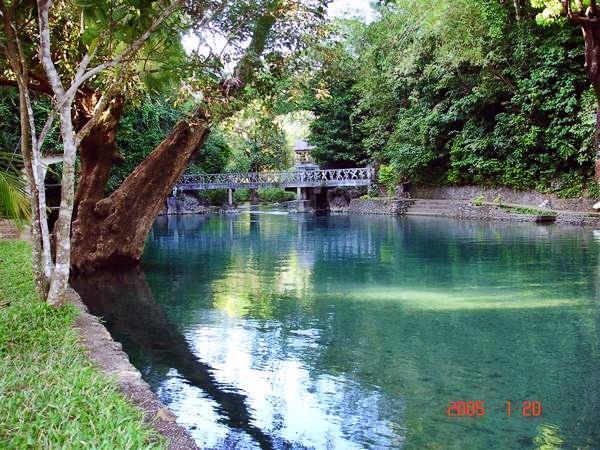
x,y
301,178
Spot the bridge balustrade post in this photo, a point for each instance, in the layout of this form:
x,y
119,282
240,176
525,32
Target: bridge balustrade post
x,y
230,197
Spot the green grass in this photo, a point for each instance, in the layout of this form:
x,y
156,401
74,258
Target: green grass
x,y
51,396
528,211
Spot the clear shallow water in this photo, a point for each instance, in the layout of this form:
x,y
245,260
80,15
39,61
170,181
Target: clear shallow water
x,y
297,331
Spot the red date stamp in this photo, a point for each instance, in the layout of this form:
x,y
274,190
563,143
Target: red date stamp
x,y
476,408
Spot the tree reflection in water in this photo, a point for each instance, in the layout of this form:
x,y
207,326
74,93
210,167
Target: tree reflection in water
x,y
125,302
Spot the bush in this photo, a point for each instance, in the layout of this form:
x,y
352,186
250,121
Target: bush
x,y
217,197
389,177
241,195
528,211
275,195
478,201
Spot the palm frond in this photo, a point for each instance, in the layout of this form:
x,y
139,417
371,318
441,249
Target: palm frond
x,y
14,201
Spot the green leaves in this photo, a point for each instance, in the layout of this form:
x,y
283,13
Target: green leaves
x,y
14,203
458,92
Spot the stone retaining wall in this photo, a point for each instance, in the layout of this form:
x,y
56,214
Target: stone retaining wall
x,y
8,230
463,210
389,206
459,209
339,198
507,195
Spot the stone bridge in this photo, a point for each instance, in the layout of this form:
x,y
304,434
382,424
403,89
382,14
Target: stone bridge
x,y
308,183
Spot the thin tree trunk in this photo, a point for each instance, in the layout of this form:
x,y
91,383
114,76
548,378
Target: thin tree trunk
x,y
39,194
62,229
30,150
518,9
59,280
114,230
40,278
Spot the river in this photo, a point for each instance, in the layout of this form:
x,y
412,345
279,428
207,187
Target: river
x,y
346,332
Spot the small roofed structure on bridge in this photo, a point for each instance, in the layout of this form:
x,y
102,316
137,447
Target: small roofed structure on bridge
x,y
302,157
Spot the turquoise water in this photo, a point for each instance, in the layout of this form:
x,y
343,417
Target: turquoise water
x,y
300,331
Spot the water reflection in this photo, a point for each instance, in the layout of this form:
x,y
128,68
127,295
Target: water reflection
x,y
355,332
128,307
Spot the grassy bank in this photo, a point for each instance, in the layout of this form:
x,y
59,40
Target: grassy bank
x,y
51,396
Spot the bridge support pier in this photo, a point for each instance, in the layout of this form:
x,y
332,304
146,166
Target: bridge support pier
x,y
230,197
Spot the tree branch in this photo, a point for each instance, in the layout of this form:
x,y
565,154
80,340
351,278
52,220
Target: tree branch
x,y
99,108
44,51
30,85
133,48
245,67
42,137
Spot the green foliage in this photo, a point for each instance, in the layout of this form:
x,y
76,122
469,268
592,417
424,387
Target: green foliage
x,y
257,140
10,133
334,101
140,130
14,202
241,195
457,92
217,197
215,153
388,177
275,195
213,156
51,394
372,192
478,201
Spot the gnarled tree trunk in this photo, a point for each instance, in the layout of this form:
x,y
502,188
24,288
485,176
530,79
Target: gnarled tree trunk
x,y
111,231
97,151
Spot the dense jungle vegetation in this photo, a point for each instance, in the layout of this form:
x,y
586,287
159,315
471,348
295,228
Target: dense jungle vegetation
x,y
457,92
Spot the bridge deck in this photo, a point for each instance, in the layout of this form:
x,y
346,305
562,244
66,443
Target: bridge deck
x,y
301,178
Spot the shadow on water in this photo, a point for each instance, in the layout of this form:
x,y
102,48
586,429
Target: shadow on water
x,y
129,310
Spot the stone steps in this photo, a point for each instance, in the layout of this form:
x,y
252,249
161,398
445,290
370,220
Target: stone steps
x,y
433,207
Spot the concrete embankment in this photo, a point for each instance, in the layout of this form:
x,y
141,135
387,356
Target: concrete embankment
x,y
491,205
388,206
506,195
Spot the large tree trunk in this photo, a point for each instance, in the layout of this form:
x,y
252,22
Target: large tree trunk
x,y
97,151
113,231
